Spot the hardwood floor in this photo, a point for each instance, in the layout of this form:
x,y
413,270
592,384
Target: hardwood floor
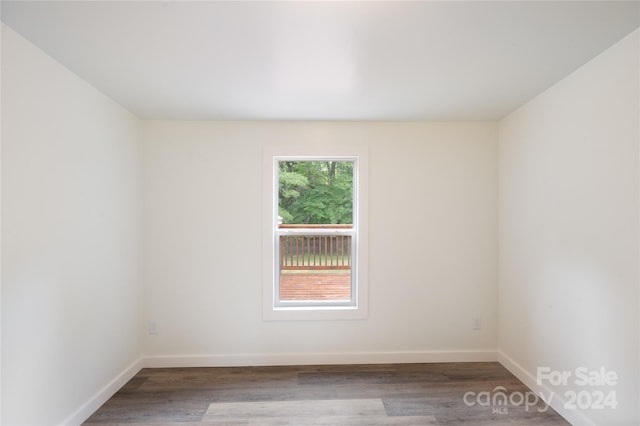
x,y
395,394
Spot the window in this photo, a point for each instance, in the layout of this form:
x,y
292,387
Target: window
x,y
315,236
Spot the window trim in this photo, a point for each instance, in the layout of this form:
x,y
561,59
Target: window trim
x,y
357,307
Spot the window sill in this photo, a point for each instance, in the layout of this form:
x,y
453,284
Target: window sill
x,y
313,313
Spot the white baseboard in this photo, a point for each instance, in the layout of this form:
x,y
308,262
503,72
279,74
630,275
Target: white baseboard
x,y
575,417
96,401
238,360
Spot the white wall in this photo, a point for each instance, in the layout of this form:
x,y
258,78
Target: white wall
x,y
433,244
568,234
70,224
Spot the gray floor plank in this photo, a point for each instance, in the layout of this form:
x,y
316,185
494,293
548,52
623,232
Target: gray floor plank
x,y
313,409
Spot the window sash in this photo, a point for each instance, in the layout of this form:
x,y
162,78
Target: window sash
x,y
353,256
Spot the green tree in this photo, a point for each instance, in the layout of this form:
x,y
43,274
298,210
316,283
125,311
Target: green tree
x,y
316,192
290,185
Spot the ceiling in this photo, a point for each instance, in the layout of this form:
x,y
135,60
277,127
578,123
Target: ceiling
x,y
307,60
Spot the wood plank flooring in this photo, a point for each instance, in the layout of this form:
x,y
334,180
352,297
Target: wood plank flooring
x,y
341,395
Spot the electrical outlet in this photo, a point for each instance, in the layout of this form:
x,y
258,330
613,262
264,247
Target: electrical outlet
x,y
476,323
153,327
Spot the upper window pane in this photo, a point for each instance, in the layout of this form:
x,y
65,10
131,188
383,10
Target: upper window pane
x,y
315,192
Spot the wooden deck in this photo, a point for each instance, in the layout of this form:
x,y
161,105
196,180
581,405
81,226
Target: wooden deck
x,y
309,286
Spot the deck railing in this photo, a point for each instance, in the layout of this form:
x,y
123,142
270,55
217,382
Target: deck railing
x,y
315,251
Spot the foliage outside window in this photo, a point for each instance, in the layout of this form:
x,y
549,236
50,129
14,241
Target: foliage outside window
x,y
316,192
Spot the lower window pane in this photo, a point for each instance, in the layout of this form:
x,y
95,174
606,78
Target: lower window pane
x,y
315,268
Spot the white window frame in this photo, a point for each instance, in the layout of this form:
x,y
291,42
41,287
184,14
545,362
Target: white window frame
x,y
273,308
